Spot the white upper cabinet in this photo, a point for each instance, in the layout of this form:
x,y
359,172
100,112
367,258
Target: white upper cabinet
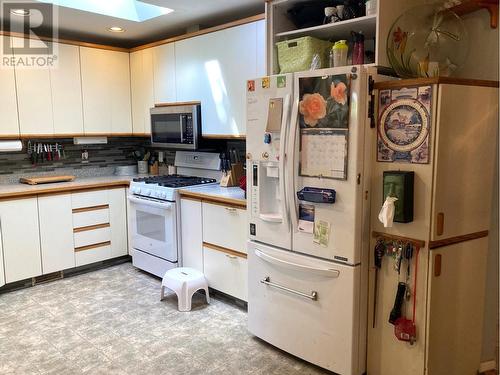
x,y
106,91
213,69
164,73
34,98
142,84
67,91
9,122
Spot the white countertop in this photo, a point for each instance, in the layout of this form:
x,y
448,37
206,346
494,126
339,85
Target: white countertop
x,y
19,189
230,193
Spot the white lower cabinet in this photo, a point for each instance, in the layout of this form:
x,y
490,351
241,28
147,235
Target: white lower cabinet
x,y
226,272
56,233
213,241
20,239
191,234
2,271
118,222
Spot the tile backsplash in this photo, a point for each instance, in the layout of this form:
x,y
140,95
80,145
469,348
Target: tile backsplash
x,y
102,158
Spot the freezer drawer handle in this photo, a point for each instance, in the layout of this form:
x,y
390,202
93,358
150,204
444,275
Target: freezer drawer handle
x,y
313,296
280,262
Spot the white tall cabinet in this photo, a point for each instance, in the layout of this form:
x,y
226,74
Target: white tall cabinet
x,y
143,89
106,91
164,73
66,90
213,68
20,239
8,115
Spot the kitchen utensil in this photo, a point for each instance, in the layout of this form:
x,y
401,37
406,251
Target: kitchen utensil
x,y
398,303
378,256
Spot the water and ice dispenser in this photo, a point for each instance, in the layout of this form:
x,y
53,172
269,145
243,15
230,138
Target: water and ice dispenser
x,y
266,178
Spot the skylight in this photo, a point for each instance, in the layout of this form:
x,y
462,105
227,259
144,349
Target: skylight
x,y
131,10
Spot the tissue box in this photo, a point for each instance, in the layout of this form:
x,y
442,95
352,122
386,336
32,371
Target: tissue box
x,y
399,184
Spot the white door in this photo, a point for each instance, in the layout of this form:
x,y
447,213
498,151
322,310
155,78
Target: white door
x,y
142,89
2,271
34,97
268,113
305,306
8,98
56,233
66,88
154,227
21,239
213,68
191,234
118,222
323,149
95,91
164,73
119,84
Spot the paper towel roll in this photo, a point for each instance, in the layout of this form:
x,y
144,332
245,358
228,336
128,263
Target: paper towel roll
x,y
15,145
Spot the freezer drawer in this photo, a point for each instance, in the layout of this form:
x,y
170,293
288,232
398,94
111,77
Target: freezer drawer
x,y
305,306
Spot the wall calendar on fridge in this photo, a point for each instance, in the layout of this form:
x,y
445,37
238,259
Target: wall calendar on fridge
x,y
324,126
404,125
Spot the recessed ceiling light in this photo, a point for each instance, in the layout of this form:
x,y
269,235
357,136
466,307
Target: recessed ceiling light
x,y
116,29
20,12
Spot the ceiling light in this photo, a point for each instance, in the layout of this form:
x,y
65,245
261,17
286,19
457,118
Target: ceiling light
x,y
20,12
116,29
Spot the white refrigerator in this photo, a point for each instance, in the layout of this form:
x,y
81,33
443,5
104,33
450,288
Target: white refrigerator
x,y
308,150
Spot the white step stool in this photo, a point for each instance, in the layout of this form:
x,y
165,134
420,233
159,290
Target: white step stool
x,y
184,282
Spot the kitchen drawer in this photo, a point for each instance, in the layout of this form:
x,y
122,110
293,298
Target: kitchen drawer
x,y
93,255
92,237
93,217
89,199
226,272
225,226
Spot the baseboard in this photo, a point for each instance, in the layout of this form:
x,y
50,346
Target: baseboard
x,y
484,367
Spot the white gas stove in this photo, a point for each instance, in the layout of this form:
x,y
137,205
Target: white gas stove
x,y
154,211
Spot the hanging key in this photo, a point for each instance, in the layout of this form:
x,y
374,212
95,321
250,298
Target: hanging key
x,y
408,255
378,253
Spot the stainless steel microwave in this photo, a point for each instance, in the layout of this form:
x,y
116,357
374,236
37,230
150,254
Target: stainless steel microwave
x,y
176,126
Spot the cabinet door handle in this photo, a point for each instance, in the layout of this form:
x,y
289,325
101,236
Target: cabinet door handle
x,y
230,209
440,224
437,265
231,256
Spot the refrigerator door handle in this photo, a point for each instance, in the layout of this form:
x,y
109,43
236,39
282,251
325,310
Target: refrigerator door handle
x,y
283,162
313,296
292,139
329,272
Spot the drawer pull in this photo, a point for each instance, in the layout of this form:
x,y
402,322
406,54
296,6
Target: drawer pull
x,y
231,256
230,209
313,296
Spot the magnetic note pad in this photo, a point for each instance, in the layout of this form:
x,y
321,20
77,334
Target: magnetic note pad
x,y
274,115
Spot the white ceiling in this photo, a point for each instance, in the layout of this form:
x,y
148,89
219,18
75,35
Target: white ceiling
x,y
91,27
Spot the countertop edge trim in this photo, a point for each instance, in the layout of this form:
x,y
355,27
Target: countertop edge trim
x,y
213,198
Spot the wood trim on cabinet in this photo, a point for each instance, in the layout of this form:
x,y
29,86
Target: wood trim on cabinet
x,y
431,81
61,190
91,208
209,30
157,105
59,135
457,239
93,246
91,227
224,250
67,41
221,201
224,136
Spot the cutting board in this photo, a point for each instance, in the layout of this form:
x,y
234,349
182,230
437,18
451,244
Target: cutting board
x,y
45,179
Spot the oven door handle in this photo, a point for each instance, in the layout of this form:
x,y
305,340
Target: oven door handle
x,y
147,202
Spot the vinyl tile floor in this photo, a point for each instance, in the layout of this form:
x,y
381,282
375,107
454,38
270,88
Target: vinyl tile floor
x,y
111,321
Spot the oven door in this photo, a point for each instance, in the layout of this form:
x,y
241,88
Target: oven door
x,y
153,227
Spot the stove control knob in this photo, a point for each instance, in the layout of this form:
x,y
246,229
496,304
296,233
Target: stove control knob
x,y
163,195
148,193
137,190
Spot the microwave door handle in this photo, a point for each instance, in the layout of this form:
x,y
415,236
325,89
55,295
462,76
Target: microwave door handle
x,y
181,124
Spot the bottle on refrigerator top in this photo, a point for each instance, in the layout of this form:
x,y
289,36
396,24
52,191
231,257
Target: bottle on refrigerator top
x,y
358,50
338,54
